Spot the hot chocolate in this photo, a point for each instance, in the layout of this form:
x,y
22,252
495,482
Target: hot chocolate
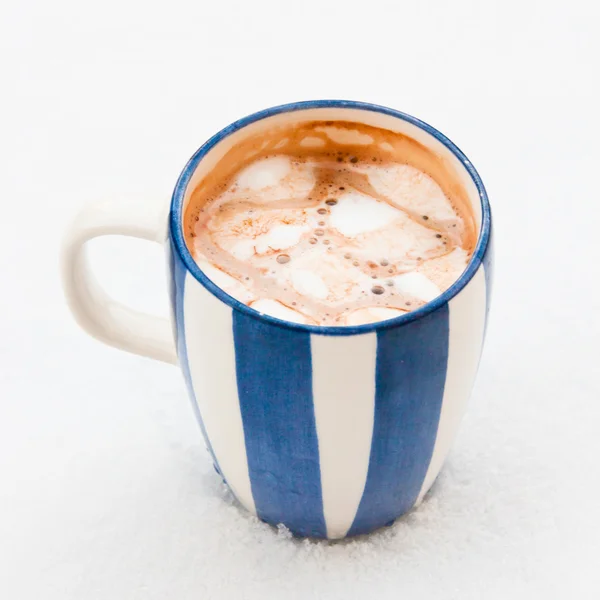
x,y
331,223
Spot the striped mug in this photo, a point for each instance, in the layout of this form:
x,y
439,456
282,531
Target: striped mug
x,y
332,431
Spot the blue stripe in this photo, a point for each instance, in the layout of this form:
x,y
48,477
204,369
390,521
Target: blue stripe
x,y
178,271
274,377
409,387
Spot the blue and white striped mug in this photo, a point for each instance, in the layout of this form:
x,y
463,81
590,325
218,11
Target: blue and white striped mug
x,y
332,431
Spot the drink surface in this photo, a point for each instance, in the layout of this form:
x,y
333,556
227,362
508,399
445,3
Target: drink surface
x,y
331,223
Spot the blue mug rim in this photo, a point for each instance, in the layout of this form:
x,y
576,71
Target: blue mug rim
x,y
176,220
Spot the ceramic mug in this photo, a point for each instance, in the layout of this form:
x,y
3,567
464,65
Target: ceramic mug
x,y
332,431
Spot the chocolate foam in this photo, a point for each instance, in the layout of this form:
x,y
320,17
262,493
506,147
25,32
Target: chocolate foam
x,y
331,223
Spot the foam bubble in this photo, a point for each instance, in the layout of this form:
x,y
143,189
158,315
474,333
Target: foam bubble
x,y
357,213
278,310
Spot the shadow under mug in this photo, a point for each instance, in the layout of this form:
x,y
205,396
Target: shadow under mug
x,y
332,431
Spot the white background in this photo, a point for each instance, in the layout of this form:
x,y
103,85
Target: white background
x,y
106,491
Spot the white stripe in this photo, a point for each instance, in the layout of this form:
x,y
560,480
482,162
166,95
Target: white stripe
x,y
466,323
211,356
344,401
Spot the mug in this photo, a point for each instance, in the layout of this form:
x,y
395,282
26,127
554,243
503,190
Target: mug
x,y
331,431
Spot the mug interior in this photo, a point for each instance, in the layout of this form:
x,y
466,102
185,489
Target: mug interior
x,y
213,151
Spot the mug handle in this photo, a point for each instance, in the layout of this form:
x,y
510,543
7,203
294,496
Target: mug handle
x,y
94,310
